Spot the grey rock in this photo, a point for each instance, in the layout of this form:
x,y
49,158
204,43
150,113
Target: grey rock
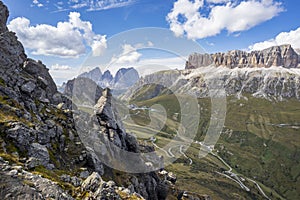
x,y
269,83
3,17
40,72
43,138
94,161
50,123
107,79
39,152
111,184
26,185
283,55
83,91
125,77
84,174
28,87
22,136
104,108
12,53
98,188
95,74
13,173
75,181
33,162
92,183
65,178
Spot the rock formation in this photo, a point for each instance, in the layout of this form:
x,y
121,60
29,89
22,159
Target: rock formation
x,y
94,74
107,79
272,83
284,56
124,78
38,135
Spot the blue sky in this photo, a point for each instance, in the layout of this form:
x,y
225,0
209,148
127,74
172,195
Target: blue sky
x,y
65,35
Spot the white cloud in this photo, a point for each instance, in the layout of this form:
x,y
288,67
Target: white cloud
x,y
210,43
37,3
150,44
89,5
151,65
67,39
217,1
93,5
60,67
129,55
186,17
292,37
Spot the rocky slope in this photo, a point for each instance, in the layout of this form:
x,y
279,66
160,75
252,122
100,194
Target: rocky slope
x,y
284,56
41,152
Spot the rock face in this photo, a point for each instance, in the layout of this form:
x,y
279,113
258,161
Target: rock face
x,y
274,83
107,79
95,75
84,89
38,133
125,77
273,73
3,17
284,56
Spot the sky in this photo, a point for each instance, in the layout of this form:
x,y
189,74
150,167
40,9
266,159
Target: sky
x,y
72,36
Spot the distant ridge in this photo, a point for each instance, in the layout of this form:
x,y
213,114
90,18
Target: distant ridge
x,y
124,78
284,56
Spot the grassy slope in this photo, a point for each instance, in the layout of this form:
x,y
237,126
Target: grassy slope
x,y
253,142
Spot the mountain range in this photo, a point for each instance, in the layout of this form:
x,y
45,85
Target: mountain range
x,y
284,56
124,78
272,73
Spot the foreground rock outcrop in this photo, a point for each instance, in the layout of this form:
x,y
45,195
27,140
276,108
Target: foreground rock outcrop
x,y
284,56
43,153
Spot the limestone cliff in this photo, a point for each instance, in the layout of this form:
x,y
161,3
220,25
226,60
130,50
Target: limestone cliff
x,y
284,56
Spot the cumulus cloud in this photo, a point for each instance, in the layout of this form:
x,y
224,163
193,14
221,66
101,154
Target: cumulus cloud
x,y
292,37
187,18
37,3
60,67
129,55
67,39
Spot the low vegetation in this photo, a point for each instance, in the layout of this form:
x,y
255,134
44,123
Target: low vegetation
x,y
260,140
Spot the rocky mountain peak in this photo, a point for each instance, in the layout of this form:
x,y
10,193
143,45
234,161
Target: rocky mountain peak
x,y
95,74
284,56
